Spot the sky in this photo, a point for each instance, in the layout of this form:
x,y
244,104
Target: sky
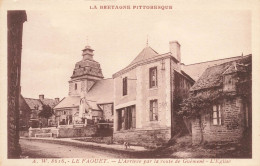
x,y
53,40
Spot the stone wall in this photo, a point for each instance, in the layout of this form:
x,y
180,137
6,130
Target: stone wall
x,y
72,90
64,132
231,130
108,112
148,138
33,131
87,131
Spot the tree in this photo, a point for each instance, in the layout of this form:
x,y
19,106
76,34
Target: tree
x,y
46,112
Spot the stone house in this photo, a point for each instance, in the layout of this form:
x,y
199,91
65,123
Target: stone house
x,y
90,95
35,106
220,103
146,97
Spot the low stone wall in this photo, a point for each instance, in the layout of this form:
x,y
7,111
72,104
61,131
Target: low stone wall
x,y
63,132
33,131
87,131
148,138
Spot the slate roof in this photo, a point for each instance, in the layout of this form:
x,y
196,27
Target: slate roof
x,y
146,53
195,70
32,103
212,76
87,67
93,105
67,102
102,91
49,102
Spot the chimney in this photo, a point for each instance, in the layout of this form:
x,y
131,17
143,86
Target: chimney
x,y
41,97
57,100
175,49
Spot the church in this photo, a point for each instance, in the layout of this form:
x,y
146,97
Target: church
x,y
87,102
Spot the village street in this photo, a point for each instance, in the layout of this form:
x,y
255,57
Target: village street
x,y
38,149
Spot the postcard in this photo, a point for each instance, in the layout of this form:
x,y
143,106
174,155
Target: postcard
x,y
120,82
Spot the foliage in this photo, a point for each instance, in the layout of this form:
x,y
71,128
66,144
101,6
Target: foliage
x,y
199,102
46,112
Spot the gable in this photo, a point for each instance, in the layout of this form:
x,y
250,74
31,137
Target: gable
x,y
146,53
213,76
196,70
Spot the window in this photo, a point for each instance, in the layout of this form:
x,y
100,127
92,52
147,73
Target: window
x,y
76,86
112,109
216,118
153,110
126,118
124,86
229,83
153,77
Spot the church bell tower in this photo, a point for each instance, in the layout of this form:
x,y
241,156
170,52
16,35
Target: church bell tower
x,y
85,74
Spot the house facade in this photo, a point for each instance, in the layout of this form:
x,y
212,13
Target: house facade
x,y
146,94
223,96
36,106
90,95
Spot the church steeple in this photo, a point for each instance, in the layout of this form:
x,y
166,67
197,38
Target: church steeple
x,y
87,67
85,74
87,53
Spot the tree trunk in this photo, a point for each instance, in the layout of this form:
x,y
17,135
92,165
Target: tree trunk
x,y
201,130
15,20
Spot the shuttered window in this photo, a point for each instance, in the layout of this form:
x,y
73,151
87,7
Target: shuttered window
x,y
153,77
124,86
153,110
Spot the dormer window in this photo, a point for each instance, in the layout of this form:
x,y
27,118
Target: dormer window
x,y
229,83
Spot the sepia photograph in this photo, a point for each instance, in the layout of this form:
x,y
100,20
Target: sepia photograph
x,y
132,82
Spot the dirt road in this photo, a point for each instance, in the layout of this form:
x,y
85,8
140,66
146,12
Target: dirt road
x,y
37,149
